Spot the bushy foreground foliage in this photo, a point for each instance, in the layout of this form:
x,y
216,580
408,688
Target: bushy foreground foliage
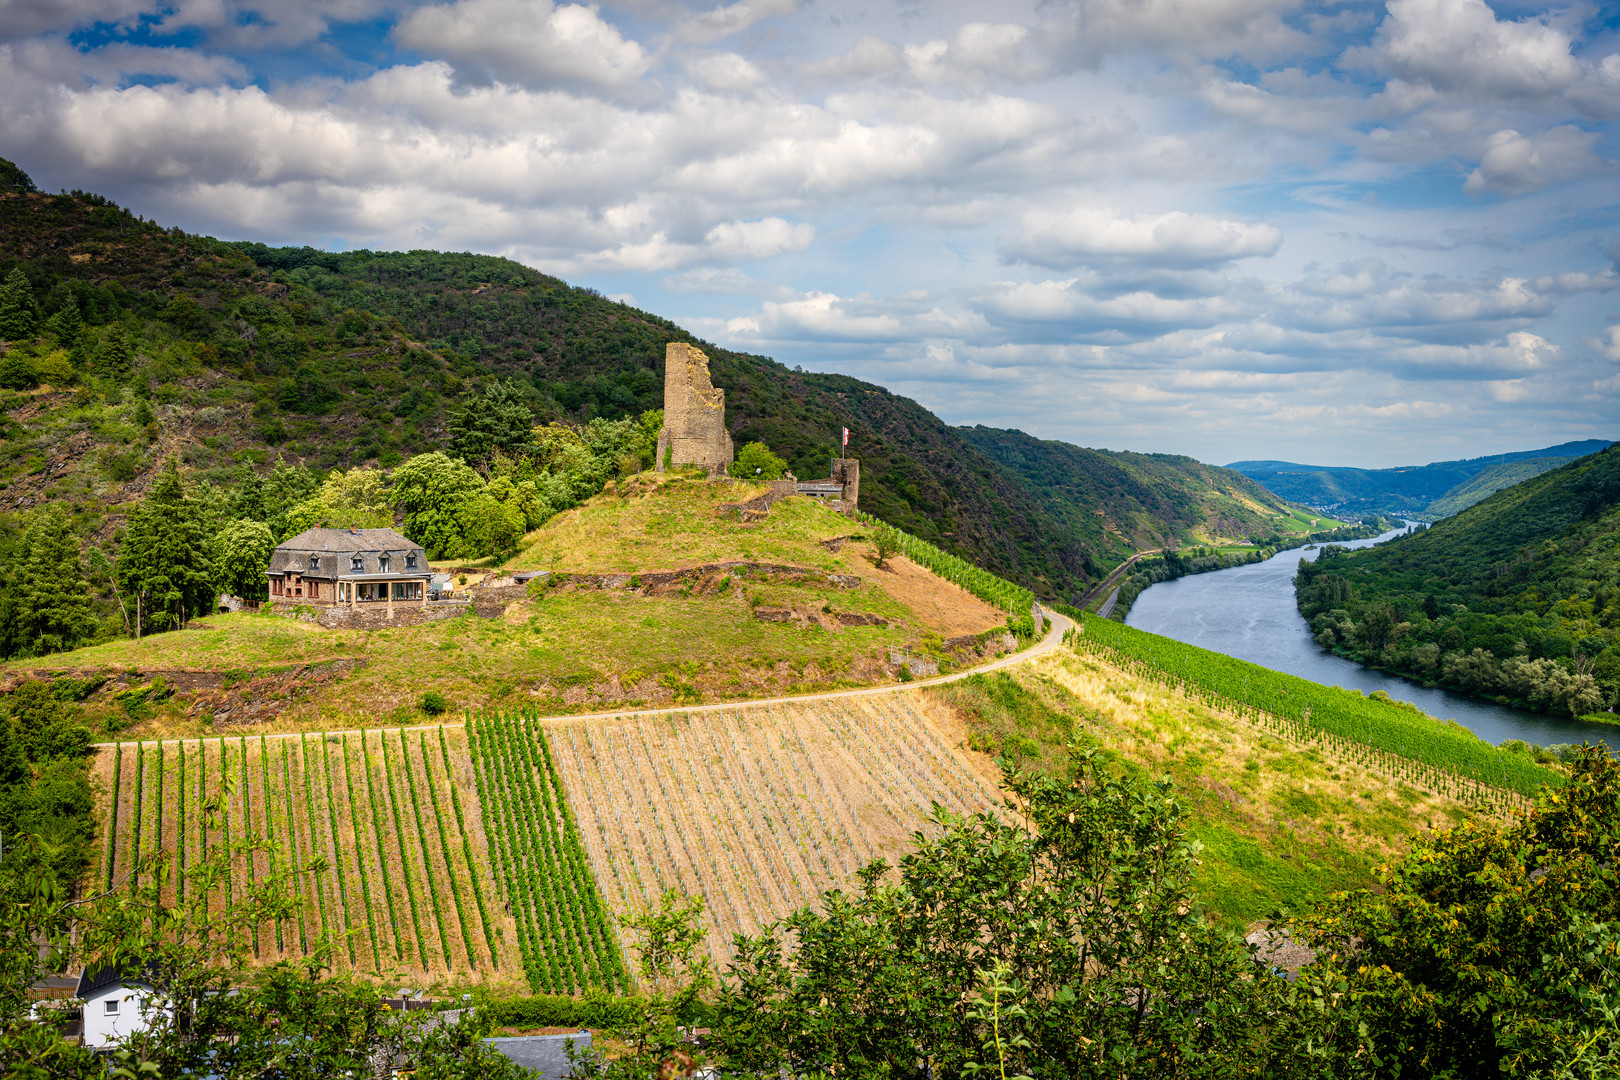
x,y
1064,941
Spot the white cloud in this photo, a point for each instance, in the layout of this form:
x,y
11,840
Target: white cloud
x,y
529,43
1090,30
725,72
727,19
1608,345
1460,46
1516,165
1086,234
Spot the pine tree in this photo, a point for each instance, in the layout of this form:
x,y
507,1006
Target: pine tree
x,y
67,324
117,355
166,560
17,318
55,609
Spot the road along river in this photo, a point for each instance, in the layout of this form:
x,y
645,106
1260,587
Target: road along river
x,y
1248,612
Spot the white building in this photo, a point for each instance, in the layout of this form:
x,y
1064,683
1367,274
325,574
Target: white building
x,y
115,1005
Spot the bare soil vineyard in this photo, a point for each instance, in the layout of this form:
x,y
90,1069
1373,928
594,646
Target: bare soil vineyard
x,y
406,888
500,853
757,809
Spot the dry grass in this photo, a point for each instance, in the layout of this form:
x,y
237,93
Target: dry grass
x,y
757,810
1281,823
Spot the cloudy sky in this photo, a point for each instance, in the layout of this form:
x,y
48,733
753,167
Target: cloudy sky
x,y
1345,233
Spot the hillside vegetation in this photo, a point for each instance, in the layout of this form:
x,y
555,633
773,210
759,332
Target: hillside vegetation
x,y
131,345
1485,484
1122,503
1515,598
1407,488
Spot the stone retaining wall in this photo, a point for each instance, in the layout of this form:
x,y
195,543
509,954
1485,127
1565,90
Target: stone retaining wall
x,y
375,616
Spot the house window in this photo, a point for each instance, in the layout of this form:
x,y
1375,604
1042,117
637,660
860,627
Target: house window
x,y
314,589
314,562
410,561
111,1005
382,564
357,564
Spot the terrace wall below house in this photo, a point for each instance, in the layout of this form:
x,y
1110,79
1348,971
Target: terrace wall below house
x,y
374,615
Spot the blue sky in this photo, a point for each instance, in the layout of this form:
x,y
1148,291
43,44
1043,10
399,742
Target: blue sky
x,y
1346,233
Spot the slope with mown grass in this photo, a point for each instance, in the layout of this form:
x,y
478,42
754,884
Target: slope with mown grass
x,y
577,646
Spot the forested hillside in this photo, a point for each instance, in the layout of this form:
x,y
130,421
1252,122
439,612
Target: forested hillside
x,y
1405,489
1487,483
1121,503
131,345
1517,597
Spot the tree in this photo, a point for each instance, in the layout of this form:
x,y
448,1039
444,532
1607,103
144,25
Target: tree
x,y
1063,942
756,462
241,553
1492,949
489,526
497,420
885,542
117,356
66,324
55,609
12,178
433,490
166,559
17,314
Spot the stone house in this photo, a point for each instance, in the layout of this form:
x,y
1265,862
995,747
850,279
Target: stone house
x,y
350,568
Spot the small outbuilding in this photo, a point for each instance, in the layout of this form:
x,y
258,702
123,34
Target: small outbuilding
x,y
350,568
115,1004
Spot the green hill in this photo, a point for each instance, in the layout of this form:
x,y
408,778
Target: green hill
x,y
1406,489
1121,503
1515,598
1487,483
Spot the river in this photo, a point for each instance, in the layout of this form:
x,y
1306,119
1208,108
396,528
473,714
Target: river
x,y
1248,612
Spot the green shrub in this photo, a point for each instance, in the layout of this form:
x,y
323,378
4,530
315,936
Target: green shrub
x,y
435,703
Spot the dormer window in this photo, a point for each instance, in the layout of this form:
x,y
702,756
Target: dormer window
x,y
357,564
410,561
314,562
382,563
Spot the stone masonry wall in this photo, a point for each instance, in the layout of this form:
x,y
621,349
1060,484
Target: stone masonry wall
x,y
375,616
694,431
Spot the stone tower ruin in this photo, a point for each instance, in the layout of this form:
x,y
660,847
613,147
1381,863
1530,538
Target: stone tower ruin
x,y
694,431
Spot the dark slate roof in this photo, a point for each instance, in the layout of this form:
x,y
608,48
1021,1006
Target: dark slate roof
x,y
546,1055
336,549
93,979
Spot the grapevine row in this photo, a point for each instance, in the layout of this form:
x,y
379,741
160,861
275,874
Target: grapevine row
x,y
993,590
563,934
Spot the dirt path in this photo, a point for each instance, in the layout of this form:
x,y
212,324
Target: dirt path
x,y
1053,638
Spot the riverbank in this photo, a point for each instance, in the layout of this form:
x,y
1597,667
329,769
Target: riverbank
x,y
1171,565
1248,612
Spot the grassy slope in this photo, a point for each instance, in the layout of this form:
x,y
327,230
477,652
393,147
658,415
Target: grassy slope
x,y
1280,824
575,649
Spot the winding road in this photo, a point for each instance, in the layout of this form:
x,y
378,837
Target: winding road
x,y
1054,638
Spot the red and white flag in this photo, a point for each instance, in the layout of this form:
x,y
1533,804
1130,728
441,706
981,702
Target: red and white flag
x,y
846,438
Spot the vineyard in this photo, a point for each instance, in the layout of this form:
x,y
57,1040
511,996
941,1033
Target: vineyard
x,y
395,815
564,931
757,809
1408,743
1013,599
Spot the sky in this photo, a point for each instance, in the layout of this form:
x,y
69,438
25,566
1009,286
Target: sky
x,y
1345,233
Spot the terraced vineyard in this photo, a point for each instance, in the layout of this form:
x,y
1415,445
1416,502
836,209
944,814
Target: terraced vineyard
x,y
758,809
396,815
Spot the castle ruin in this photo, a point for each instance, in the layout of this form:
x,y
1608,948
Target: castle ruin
x,y
694,431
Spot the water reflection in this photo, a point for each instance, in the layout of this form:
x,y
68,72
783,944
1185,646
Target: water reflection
x,y
1249,612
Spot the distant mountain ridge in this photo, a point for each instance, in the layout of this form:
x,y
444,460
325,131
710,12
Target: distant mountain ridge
x,y
1407,489
1488,483
147,344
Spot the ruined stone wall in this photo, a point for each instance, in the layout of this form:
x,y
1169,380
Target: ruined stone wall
x,y
847,471
694,431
